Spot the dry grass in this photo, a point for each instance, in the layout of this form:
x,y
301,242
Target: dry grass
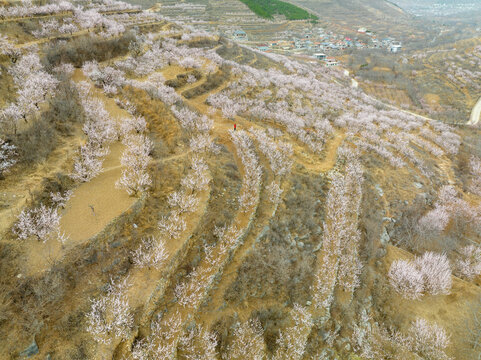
x,y
272,269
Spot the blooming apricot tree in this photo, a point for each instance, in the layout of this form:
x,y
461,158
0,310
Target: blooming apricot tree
x,y
40,222
136,157
110,317
429,273
7,156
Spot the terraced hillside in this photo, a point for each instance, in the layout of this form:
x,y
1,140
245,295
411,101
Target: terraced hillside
x,y
168,194
205,11
440,82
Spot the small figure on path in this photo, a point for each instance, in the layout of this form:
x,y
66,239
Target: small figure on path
x,y
235,127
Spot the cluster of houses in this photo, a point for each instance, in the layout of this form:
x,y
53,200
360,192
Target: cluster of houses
x,y
387,43
316,41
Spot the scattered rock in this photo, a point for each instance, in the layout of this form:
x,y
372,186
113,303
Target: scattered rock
x,y
262,234
385,238
30,351
196,260
341,342
418,185
191,325
308,303
300,244
92,259
380,253
115,244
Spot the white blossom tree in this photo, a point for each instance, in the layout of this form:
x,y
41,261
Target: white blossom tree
x,y
159,344
182,202
88,163
198,344
172,226
436,272
475,165
10,116
41,222
248,342
132,124
135,159
275,192
110,316
428,339
198,178
9,49
292,340
151,253
252,170
60,199
26,66
427,274
7,157
406,279
468,265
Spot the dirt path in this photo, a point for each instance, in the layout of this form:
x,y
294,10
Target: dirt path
x,y
15,192
475,114
92,206
47,39
65,13
176,249
205,270
36,17
264,212
97,202
214,310
80,33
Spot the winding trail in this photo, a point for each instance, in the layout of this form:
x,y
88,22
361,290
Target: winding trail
x,y
92,206
475,114
95,203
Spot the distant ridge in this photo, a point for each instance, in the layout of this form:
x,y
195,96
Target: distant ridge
x,y
379,15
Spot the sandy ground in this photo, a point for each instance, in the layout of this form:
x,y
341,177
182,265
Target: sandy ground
x,y
449,311
96,203
93,205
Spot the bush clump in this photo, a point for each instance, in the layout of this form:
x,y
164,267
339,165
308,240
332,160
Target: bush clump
x,y
81,49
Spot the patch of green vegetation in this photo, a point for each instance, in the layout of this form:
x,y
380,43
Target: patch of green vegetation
x,y
267,8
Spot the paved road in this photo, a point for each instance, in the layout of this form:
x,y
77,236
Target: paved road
x,y
475,114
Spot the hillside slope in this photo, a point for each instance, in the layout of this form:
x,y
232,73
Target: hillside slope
x,y
381,16
169,194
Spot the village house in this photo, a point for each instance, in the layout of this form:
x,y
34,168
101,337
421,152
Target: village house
x,y
320,56
240,35
395,47
330,61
